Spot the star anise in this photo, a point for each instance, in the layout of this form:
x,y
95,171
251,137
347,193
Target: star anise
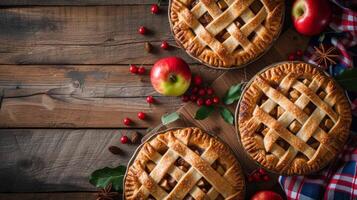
x,y
107,193
325,57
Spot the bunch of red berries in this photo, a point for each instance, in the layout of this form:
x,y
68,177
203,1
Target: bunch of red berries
x,y
258,175
296,55
200,94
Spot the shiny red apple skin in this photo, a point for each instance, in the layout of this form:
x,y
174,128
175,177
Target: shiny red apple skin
x,y
311,17
266,195
170,76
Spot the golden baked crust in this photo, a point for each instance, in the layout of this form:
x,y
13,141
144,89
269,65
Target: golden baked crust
x,y
226,33
181,163
293,118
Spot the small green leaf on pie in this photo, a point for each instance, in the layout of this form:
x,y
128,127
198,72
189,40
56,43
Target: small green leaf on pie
x,y
169,118
203,112
226,115
101,178
233,94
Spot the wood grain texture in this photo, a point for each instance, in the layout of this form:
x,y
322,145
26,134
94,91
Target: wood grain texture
x,y
49,196
83,35
81,96
44,160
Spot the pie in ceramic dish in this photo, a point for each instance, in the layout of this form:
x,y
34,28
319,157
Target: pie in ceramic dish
x,y
184,164
293,118
226,33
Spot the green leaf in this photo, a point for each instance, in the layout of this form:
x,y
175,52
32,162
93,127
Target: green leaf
x,y
169,118
203,112
226,115
103,177
348,79
233,94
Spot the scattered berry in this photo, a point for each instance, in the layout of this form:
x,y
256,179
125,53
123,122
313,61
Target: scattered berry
x,y
185,98
150,99
201,92
197,80
256,177
195,90
200,102
291,57
164,45
154,9
209,91
141,115
142,30
124,139
266,178
133,69
127,121
262,171
299,52
208,102
215,100
193,98
141,70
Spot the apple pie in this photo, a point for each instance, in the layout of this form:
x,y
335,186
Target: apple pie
x,y
184,164
226,33
293,118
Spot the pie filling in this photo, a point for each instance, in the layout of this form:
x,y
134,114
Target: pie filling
x,y
326,124
168,182
206,18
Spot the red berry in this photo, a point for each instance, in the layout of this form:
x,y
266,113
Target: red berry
x,y
262,171
127,121
201,92
197,80
150,99
208,102
200,102
209,91
194,90
193,98
141,115
141,70
215,100
256,177
154,9
291,57
133,69
164,45
266,178
299,52
142,30
124,139
185,98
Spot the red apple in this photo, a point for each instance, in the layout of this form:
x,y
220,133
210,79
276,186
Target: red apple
x,y
171,76
311,17
266,195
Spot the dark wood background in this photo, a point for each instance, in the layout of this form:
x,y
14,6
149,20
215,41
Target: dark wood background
x,y
65,88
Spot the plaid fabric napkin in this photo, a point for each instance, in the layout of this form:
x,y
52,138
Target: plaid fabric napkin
x,y
338,181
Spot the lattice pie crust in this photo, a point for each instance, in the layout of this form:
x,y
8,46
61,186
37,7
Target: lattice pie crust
x,y
293,118
184,164
226,33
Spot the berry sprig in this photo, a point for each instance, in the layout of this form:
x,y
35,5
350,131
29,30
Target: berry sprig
x,y
258,175
297,55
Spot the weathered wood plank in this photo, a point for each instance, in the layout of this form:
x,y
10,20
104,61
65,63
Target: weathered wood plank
x,y
83,35
80,96
44,160
74,2
49,196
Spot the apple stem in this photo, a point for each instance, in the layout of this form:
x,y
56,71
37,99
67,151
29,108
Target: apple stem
x,y
173,78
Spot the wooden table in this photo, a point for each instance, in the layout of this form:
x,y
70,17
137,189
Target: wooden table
x,y
65,88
